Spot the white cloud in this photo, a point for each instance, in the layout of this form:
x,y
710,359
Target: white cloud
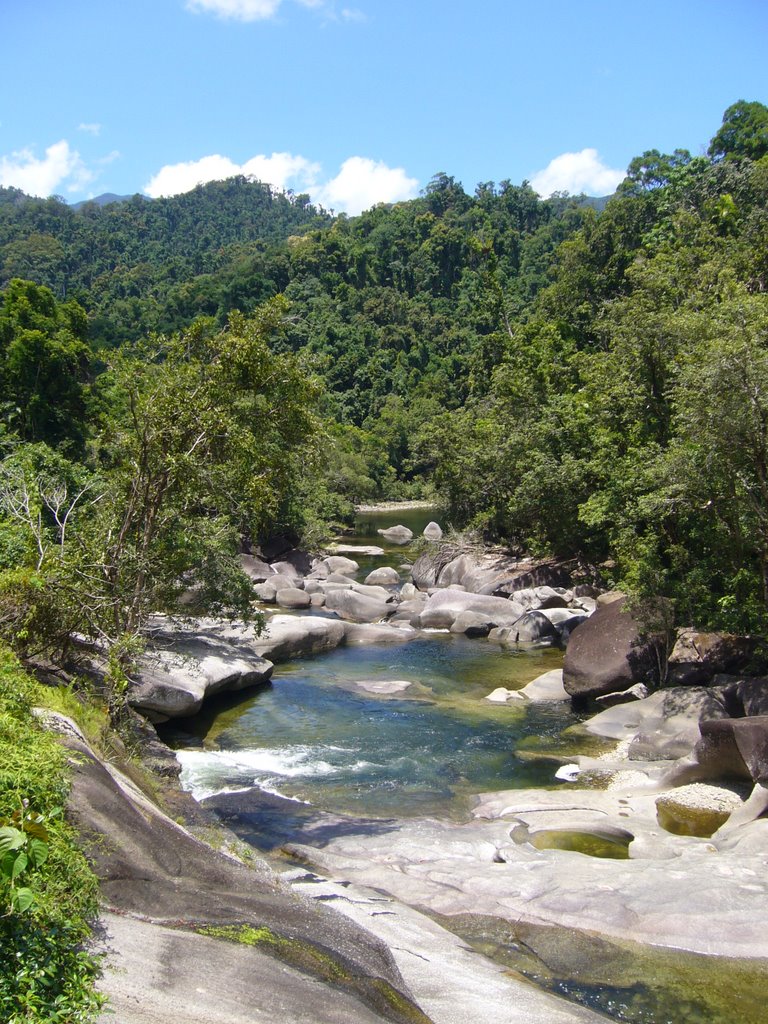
x,y
576,173
360,183
262,10
90,128
280,170
176,178
42,177
239,10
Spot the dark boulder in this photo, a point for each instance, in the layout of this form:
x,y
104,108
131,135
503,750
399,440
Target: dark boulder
x,y
277,546
607,653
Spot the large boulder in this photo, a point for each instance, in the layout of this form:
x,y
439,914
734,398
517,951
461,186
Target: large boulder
x,y
385,576
283,581
295,562
377,593
292,597
397,535
751,696
255,568
734,747
697,657
173,680
529,627
265,592
291,636
442,608
471,624
357,607
662,726
607,653
341,564
529,575
428,567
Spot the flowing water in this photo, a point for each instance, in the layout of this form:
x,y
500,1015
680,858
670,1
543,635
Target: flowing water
x,y
315,737
312,736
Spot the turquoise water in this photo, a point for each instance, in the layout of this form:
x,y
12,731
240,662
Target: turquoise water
x,y
312,737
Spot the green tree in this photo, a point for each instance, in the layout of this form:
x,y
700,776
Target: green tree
x,y
208,437
744,132
45,365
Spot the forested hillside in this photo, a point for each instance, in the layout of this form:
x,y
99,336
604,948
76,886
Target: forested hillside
x,y
571,380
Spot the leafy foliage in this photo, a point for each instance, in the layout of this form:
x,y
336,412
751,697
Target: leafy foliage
x,y
48,894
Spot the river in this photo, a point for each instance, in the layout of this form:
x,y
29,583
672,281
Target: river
x,y
312,737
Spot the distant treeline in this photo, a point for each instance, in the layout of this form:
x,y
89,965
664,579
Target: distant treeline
x,y
571,378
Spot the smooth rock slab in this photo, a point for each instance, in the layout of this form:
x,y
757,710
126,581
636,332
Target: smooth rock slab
x,y
153,871
211,982
698,896
546,687
173,682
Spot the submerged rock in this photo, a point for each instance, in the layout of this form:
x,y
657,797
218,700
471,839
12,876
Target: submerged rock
x,y
548,686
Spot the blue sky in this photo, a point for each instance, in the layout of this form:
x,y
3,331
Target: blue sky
x,y
362,101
